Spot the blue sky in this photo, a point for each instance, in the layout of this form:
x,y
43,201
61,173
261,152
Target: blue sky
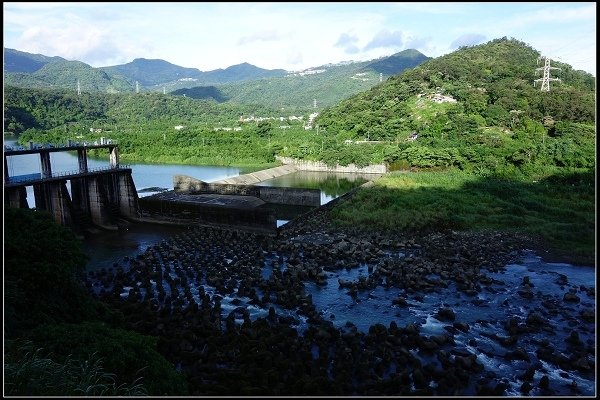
x,y
292,36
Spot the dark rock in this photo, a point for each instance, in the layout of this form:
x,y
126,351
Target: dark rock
x,y
445,314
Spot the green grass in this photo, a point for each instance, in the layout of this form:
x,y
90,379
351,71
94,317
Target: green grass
x,y
560,213
31,374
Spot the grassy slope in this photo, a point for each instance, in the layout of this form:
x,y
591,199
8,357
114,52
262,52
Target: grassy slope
x,y
557,212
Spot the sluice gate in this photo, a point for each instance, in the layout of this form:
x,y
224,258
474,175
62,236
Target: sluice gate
x,y
98,197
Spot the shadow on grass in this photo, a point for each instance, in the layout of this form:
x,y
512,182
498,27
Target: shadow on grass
x,y
557,213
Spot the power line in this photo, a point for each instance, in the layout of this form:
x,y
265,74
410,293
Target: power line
x,y
546,74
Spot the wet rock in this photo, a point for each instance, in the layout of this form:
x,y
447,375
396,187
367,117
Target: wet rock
x,y
573,339
461,326
562,280
534,319
445,314
526,293
400,301
571,297
526,388
517,354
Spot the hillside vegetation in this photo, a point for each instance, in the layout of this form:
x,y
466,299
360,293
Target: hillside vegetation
x,y
491,116
490,119
475,111
241,84
327,84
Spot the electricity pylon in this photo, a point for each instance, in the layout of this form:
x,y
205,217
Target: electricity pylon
x,y
546,77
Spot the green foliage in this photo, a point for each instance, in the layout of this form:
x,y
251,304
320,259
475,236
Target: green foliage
x,y
63,74
498,119
41,267
130,356
28,373
558,207
45,302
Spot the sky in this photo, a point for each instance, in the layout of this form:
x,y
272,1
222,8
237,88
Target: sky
x,y
292,36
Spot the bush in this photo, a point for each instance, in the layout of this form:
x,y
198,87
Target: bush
x,y
131,357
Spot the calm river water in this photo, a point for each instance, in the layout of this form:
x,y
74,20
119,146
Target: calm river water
x,y
108,247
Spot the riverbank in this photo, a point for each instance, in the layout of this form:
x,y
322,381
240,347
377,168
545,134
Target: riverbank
x,y
554,215
321,309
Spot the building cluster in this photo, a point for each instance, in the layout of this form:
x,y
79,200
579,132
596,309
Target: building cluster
x,y
228,129
307,72
252,118
437,97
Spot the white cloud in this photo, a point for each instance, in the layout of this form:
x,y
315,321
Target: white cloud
x,y
385,39
348,43
468,39
283,35
263,36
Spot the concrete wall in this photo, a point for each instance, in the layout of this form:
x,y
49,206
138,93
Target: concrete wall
x,y
260,218
275,195
54,198
16,197
259,176
99,203
290,196
128,197
302,165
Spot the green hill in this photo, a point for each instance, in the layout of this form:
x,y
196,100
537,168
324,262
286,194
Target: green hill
x,y
327,84
396,63
477,105
16,61
152,72
201,92
63,74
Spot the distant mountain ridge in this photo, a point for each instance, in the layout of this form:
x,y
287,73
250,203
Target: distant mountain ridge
x,y
20,61
326,84
25,70
242,83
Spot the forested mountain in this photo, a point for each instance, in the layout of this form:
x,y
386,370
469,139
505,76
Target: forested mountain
x,y
19,61
475,109
27,70
477,103
202,92
327,84
156,74
243,83
238,73
397,63
152,72
64,74
63,110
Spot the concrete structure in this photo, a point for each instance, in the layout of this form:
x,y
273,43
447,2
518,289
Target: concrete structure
x,y
259,176
98,197
244,212
269,194
319,166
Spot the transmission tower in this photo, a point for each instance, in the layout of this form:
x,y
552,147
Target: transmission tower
x,y
546,74
380,77
137,87
78,88
314,103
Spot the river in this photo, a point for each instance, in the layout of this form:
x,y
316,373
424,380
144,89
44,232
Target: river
x,y
108,247
484,316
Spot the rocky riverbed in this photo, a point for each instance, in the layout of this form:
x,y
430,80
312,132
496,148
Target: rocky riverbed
x,y
318,310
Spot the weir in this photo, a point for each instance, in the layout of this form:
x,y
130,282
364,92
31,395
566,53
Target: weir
x,y
99,197
224,202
